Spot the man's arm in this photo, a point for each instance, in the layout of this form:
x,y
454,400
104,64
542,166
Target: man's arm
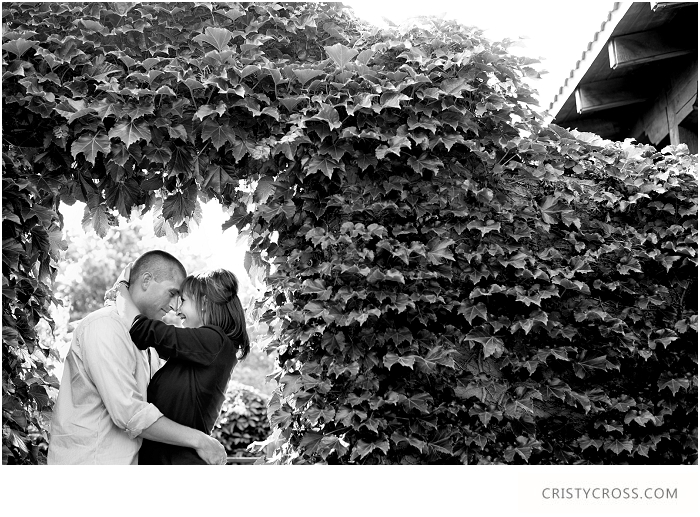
x,y
110,360
166,431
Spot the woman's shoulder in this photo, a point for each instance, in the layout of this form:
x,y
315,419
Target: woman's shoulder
x,y
217,329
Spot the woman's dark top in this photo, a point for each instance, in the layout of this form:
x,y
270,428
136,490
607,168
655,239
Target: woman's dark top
x,y
190,388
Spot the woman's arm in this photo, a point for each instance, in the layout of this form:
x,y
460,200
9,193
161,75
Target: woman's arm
x,y
125,304
200,345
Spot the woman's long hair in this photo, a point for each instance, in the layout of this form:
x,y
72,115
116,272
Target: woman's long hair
x,y
215,294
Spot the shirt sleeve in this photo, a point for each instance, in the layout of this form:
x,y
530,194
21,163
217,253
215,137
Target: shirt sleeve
x,y
200,345
111,360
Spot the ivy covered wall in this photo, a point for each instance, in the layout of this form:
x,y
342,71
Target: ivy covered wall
x,y
450,281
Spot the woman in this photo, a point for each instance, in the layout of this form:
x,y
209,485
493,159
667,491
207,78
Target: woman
x,y
190,388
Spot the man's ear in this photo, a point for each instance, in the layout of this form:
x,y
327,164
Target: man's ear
x,y
145,280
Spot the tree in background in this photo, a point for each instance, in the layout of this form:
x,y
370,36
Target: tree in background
x,y
92,265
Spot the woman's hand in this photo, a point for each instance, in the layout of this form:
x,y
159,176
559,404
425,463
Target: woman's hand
x,y
125,304
124,276
211,451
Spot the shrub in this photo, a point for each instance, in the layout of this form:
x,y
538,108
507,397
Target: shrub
x,y
243,419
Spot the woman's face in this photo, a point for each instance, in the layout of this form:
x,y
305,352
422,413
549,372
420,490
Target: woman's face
x,y
188,312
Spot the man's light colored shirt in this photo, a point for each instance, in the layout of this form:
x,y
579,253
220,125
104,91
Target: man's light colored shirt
x,y
101,408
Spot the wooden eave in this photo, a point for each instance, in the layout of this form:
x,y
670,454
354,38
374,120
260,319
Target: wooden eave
x,y
638,32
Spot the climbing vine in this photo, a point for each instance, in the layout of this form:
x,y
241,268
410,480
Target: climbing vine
x,y
450,280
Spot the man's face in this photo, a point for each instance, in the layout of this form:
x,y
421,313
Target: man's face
x,y
159,298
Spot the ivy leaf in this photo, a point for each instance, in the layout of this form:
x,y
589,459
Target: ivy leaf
x,y
391,100
322,163
193,84
470,311
123,196
280,418
419,401
73,109
306,74
366,160
585,442
166,90
618,446
180,205
419,164
272,112
340,54
158,154
177,131
207,109
96,219
549,208
398,336
485,415
363,448
674,385
437,356
334,150
484,228
392,359
134,111
472,390
568,218
292,102
216,37
90,144
595,363
182,161
104,108
131,132
437,250
217,178
329,115
492,345
582,399
264,189
456,86
398,438
217,133
11,252
19,46
642,450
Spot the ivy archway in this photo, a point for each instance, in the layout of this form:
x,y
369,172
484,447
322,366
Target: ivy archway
x,y
450,280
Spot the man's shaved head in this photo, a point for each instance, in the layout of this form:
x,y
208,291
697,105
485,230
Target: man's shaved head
x,y
159,263
154,283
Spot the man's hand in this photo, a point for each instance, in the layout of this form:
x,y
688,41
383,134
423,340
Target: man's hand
x,y
165,430
211,451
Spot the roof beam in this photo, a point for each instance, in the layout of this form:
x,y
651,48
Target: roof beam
x,y
613,93
594,48
667,6
647,46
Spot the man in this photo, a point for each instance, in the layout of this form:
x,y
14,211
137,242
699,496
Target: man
x,y
101,415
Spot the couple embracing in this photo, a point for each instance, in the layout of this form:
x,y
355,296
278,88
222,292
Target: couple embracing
x,y
116,403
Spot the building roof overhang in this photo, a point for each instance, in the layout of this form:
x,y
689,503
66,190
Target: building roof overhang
x,y
624,65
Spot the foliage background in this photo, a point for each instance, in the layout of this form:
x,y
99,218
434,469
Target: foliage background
x,y
449,280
